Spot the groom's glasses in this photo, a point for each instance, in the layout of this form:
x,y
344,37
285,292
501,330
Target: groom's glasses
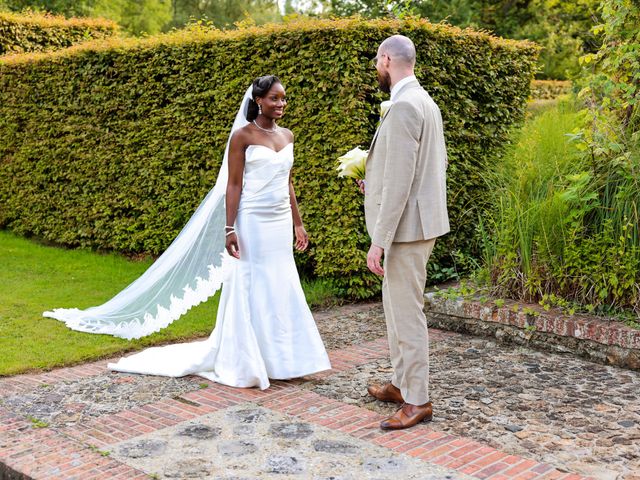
x,y
374,61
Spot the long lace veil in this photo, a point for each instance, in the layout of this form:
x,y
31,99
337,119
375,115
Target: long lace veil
x,y
186,274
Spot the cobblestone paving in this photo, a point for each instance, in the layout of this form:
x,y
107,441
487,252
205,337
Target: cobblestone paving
x,y
67,403
556,408
357,324
249,442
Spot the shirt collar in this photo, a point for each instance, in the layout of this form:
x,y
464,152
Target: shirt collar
x,y
398,86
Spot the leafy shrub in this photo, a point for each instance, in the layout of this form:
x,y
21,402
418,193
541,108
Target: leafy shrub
x,y
112,145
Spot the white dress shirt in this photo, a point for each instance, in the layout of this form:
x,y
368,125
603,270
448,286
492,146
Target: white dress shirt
x,y
398,86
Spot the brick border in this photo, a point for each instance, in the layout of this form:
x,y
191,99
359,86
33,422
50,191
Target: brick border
x,y
609,342
28,381
46,453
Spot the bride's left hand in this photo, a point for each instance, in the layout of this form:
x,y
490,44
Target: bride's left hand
x,y
302,239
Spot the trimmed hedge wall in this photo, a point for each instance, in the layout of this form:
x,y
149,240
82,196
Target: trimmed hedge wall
x,y
20,33
549,89
112,145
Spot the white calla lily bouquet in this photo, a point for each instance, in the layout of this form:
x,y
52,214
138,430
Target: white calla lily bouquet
x,y
352,163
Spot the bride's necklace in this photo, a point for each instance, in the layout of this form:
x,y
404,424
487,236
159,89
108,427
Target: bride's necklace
x,y
268,130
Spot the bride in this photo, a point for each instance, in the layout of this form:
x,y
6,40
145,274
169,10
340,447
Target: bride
x,y
264,328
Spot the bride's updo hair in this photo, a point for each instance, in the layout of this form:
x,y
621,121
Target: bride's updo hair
x,y
261,87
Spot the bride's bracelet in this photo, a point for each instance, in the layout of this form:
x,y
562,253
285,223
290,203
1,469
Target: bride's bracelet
x,y
229,226
229,233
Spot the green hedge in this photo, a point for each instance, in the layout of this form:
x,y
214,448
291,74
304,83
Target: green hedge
x,y
20,33
112,145
549,89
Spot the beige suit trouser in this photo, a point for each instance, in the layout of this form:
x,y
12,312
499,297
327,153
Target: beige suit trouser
x,y
405,276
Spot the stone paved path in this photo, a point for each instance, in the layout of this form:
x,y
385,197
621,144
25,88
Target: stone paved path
x,y
499,412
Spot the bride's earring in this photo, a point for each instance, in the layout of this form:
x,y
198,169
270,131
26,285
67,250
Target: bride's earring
x,y
259,109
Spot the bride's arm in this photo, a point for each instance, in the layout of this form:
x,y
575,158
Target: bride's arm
x,y
302,239
234,189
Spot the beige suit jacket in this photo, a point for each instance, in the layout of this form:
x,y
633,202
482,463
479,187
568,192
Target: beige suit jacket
x,y
406,193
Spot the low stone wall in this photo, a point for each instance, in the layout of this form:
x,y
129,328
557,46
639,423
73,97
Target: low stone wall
x,y
609,342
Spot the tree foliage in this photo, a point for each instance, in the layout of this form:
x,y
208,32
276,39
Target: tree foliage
x,y
613,75
135,16
562,27
153,16
224,13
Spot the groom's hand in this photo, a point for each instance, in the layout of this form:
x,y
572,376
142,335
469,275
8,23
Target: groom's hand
x,y
374,257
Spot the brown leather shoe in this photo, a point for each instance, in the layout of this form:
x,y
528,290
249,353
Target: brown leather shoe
x,y
386,393
408,416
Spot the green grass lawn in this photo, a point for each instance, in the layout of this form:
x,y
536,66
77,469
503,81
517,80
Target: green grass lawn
x,y
35,278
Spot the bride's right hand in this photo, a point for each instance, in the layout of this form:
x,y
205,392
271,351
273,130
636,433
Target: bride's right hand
x,y
232,245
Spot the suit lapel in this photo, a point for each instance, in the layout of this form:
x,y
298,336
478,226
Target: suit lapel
x,y
406,87
375,135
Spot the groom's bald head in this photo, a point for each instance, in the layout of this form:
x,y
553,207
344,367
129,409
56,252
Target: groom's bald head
x,y
400,49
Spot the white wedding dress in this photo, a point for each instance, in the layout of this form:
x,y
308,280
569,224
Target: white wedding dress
x,y
264,328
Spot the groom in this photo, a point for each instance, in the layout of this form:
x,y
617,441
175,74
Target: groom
x,y
405,211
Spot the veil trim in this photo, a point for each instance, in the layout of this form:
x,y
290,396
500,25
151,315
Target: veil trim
x,y
205,288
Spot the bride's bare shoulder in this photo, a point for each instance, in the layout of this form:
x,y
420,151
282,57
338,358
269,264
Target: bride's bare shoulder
x,y
242,136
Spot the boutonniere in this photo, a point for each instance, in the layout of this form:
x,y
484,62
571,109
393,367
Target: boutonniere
x,y
384,108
